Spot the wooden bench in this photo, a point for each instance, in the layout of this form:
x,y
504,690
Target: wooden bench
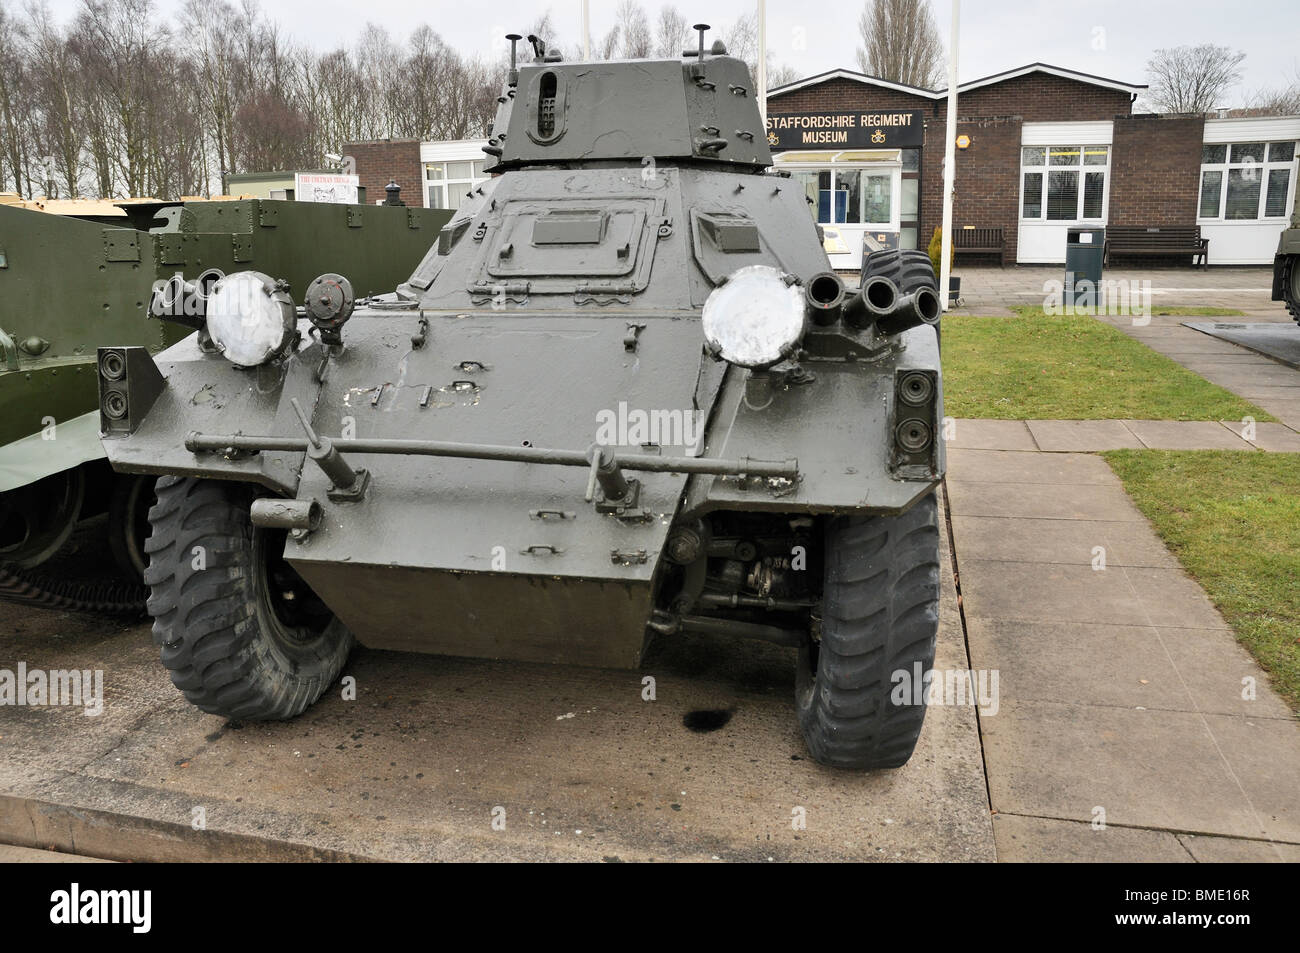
x,y
1157,240
982,240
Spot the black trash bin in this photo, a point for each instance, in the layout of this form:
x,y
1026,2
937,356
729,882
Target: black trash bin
x,y
1083,253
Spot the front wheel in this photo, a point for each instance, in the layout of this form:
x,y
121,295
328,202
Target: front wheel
x,y
1291,285
879,617
239,631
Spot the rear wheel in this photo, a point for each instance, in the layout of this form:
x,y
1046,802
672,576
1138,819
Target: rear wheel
x,y
879,616
241,634
128,522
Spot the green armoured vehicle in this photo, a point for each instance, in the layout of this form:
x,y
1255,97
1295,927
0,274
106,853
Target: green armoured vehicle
x,y
72,282
622,396
1286,264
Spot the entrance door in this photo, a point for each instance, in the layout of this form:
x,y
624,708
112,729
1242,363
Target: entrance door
x,y
866,212
854,204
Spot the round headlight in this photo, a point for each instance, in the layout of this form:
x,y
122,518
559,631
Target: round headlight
x,y
249,318
754,319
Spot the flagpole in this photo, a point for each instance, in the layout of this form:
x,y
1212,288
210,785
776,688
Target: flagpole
x,y
949,161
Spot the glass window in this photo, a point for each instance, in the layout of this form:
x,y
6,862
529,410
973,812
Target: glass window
x,y
1063,155
1094,184
849,199
1243,194
438,196
1033,155
435,170
911,160
1213,154
1281,151
824,196
1247,152
1062,196
1033,191
907,237
807,180
1095,155
460,170
877,198
1211,187
909,200
1275,197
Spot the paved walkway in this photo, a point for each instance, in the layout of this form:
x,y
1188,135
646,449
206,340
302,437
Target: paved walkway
x,y
1092,436
1268,383
991,290
1122,733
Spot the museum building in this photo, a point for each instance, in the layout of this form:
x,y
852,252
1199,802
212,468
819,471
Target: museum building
x,y
1040,149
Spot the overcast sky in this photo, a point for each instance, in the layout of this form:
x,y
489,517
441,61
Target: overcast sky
x,y
1111,38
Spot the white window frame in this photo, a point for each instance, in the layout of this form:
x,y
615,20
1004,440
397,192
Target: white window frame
x,y
1264,168
462,185
1080,169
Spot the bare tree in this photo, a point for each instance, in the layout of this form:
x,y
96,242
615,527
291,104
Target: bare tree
x,y
1280,100
672,33
780,75
900,43
56,93
1191,79
15,107
638,41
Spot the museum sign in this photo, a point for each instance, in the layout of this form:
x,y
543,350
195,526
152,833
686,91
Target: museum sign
x,y
854,129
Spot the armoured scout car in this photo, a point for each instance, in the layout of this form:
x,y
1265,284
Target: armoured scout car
x,y
621,397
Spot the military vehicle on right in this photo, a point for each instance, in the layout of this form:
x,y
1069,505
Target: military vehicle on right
x,y
1286,264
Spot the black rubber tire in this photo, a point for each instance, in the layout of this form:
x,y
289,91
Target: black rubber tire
x,y
129,501
1291,285
880,615
909,269
220,635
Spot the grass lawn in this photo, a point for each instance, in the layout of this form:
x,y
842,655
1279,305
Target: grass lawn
x,y
1071,368
1233,521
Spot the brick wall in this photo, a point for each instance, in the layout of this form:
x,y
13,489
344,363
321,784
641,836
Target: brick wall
x,y
1042,97
385,159
1155,169
988,179
988,172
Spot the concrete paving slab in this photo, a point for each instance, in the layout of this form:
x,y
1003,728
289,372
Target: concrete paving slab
x,y
1043,501
583,766
1045,840
1280,342
1277,438
1001,466
971,434
1175,669
1054,592
1073,542
1260,373
1152,769
1082,436
1232,850
1185,435
1224,359
1285,409
1264,756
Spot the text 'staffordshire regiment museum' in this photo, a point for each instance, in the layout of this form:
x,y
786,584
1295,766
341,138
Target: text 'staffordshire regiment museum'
x,y
1041,149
